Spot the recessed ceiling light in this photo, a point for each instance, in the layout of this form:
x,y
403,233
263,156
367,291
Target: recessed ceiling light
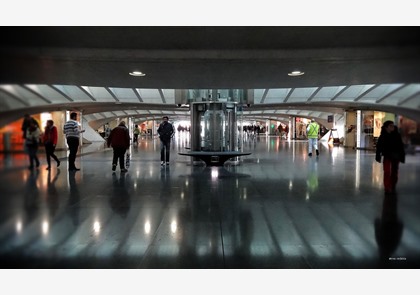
x,y
137,74
296,73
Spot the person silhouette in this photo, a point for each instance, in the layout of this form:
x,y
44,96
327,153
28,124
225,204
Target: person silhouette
x,y
391,147
50,138
72,131
136,133
33,135
27,120
119,139
312,132
166,131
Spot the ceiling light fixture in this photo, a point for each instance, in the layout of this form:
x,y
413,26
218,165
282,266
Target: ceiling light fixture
x,y
137,74
296,73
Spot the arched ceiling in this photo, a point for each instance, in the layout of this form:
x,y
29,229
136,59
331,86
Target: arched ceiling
x,y
87,68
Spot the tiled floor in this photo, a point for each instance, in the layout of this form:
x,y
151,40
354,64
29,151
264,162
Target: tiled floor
x,y
277,208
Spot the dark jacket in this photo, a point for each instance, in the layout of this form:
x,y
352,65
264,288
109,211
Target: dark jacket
x,y
119,137
165,131
390,146
26,123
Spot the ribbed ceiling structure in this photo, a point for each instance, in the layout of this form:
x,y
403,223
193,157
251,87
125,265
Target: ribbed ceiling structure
x,y
87,69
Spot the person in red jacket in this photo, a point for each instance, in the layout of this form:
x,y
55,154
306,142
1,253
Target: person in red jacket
x,y
50,141
119,139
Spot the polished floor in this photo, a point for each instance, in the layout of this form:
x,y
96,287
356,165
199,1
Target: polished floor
x,y
275,209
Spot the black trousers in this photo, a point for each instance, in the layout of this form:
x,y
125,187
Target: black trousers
x,y
33,157
49,151
164,150
119,153
73,143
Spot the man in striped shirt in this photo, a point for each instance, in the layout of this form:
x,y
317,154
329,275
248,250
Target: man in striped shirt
x,y
72,132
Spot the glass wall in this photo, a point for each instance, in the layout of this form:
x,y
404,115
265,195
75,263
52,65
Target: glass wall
x,y
224,95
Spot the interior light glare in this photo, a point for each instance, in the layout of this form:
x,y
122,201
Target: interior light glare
x,y
137,74
296,73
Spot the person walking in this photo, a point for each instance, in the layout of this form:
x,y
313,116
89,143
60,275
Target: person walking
x,y
27,119
391,147
32,136
280,129
49,139
136,133
165,131
72,131
286,131
119,139
312,132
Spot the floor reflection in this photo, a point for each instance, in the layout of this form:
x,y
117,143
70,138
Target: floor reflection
x,y
31,196
388,228
120,199
53,197
73,204
276,208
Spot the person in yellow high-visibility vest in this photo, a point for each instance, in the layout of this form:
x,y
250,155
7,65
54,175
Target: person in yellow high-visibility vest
x,y
313,132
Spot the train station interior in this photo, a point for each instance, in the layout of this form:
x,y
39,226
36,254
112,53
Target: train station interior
x,y
240,190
